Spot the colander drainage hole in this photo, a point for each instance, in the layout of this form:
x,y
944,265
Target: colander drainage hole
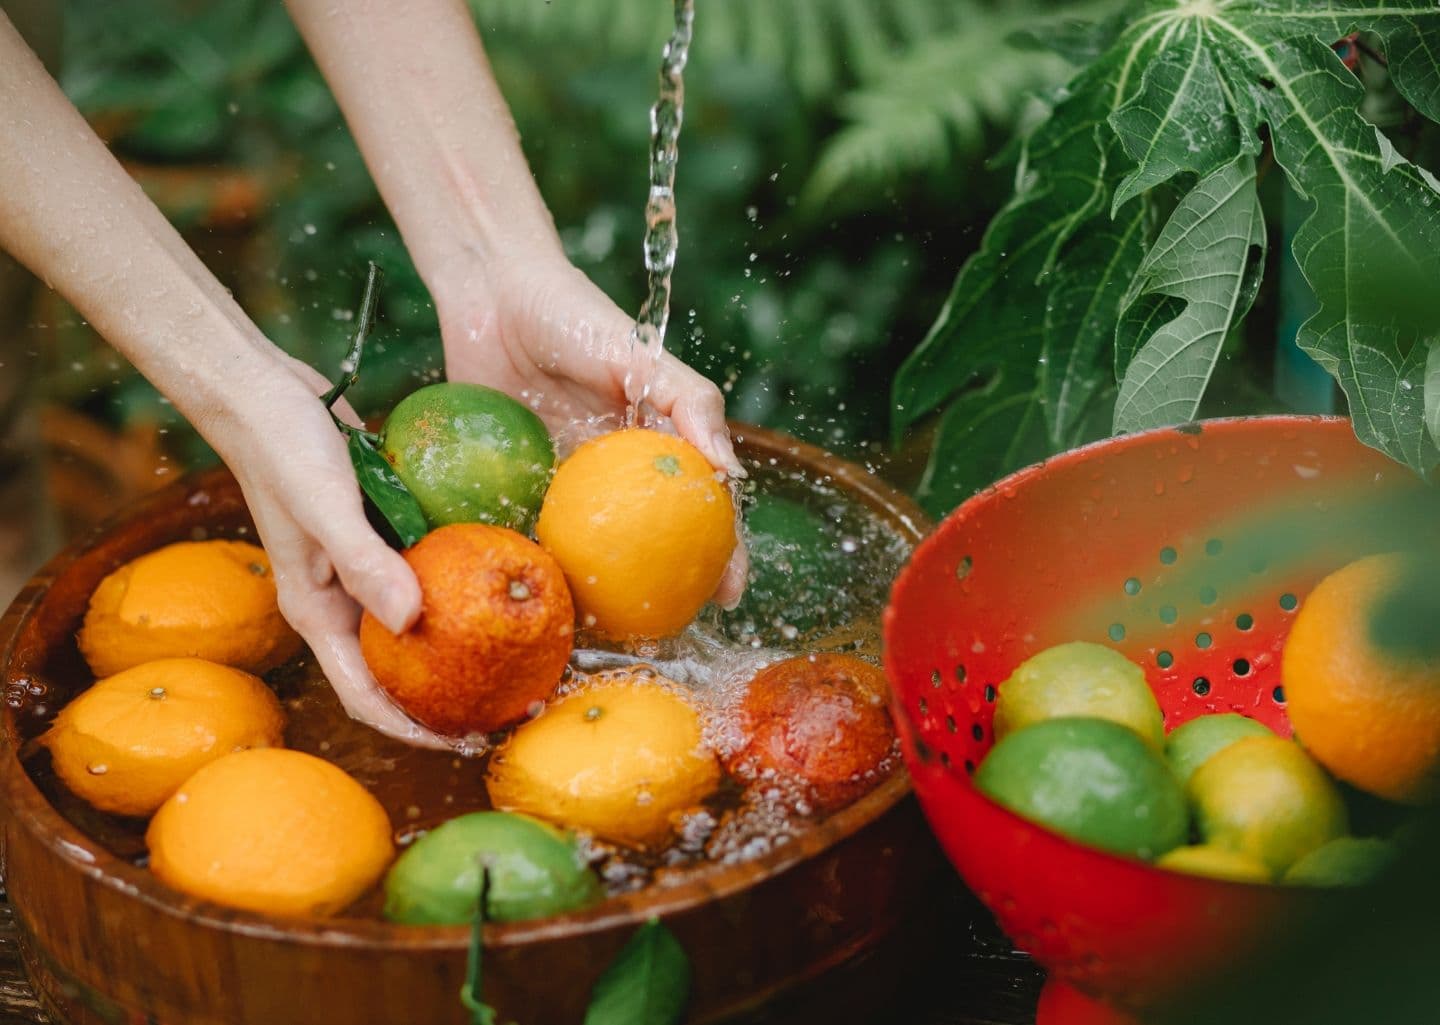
x,y
989,692
1214,546
1116,632
950,724
978,732
1169,614
1244,621
1279,695
924,708
1168,556
1209,596
1132,586
935,678
959,674
1288,602
1164,660
1201,686
945,759
963,567
1202,640
969,767
1242,667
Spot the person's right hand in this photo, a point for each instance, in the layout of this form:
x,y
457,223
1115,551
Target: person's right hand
x,y
297,479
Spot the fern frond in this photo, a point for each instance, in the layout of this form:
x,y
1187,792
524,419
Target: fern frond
x,y
823,45
928,106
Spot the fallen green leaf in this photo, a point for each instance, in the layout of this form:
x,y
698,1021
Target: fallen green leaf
x,y
647,984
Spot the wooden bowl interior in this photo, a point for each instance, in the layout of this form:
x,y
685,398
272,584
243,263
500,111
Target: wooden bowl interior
x,y
43,667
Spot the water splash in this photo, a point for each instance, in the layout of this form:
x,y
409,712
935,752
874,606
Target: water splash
x,y
661,239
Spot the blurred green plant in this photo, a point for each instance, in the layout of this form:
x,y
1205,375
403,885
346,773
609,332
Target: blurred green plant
x,y
825,192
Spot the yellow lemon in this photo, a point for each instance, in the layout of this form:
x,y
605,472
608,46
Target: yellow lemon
x,y
1215,862
1079,680
1265,797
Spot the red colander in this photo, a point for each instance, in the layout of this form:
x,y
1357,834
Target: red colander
x,y
1189,550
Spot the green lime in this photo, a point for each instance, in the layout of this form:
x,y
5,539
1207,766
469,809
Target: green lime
x,y
1265,797
535,870
1190,745
797,572
1091,779
1079,679
1347,861
470,454
1215,862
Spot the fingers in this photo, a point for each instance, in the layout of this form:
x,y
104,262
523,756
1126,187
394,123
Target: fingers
x,y
732,582
372,572
697,409
327,619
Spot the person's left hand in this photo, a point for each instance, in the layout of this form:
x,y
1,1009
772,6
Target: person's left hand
x,y
541,331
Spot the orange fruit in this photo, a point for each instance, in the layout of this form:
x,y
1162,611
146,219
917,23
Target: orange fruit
x,y
127,743
1368,713
271,830
202,599
820,720
621,757
643,529
493,637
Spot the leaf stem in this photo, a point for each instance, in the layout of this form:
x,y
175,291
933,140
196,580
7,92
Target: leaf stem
x,y
350,366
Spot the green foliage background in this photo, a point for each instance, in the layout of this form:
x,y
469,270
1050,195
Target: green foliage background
x,y
832,176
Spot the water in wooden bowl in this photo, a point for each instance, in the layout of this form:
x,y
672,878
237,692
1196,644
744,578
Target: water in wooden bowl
x,y
764,889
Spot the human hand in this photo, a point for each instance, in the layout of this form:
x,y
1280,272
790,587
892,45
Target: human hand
x,y
296,476
541,331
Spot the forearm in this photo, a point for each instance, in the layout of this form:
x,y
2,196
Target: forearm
x,y
415,86
70,213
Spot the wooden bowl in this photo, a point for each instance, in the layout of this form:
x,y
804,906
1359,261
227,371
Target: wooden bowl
x,y
104,942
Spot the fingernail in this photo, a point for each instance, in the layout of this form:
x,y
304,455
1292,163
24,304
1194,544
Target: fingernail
x,y
395,613
721,447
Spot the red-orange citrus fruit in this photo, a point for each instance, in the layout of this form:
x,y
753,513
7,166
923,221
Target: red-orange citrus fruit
x,y
493,637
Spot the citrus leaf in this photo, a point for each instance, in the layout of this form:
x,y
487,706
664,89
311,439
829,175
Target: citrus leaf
x,y
1207,256
385,490
648,983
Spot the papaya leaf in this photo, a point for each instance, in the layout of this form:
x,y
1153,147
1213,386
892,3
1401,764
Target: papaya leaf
x,y
1186,93
1079,320
385,490
648,983
1432,391
983,434
1206,256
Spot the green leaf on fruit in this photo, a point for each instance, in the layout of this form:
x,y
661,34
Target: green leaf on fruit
x,y
385,490
648,983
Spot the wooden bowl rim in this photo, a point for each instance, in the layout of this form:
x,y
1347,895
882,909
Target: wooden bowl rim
x,y
30,810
